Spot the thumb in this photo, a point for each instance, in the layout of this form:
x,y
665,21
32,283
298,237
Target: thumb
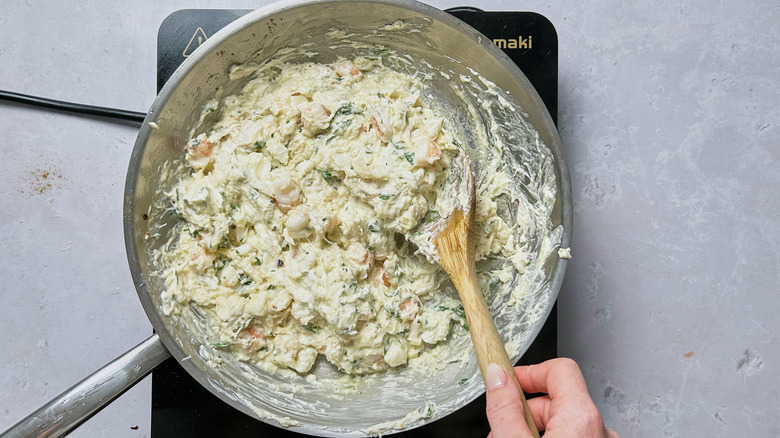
x,y
504,406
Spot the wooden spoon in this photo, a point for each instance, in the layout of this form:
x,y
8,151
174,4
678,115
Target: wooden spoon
x,y
455,247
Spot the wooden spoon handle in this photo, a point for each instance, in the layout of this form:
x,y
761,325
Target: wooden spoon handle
x,y
456,255
487,343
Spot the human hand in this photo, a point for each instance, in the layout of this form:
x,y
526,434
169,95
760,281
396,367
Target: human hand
x,y
566,411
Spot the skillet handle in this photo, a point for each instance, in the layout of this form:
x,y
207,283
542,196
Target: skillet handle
x,y
79,403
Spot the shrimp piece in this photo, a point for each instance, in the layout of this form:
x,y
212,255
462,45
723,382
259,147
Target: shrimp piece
x,y
426,151
359,254
409,308
383,273
253,333
199,152
347,69
200,259
315,118
323,221
382,127
252,339
298,222
286,192
375,359
384,276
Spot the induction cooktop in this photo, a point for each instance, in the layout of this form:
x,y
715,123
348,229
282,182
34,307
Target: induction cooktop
x,y
183,408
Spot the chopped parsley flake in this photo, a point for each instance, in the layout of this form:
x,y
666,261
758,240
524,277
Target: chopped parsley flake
x,y
431,216
346,109
329,176
221,345
196,233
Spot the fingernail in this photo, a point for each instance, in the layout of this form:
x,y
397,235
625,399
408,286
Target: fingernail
x,y
495,377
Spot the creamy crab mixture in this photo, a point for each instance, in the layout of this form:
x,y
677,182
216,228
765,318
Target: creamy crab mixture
x,y
297,216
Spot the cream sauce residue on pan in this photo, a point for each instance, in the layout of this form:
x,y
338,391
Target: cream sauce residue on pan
x,y
298,211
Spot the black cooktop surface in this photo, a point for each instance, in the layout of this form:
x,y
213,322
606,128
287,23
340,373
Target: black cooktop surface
x,y
183,408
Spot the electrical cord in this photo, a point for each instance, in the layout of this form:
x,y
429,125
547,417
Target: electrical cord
x,y
72,107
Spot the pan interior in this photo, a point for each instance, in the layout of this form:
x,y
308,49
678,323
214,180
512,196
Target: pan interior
x,y
467,79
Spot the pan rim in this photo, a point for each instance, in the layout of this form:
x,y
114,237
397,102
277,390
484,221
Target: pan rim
x,y
130,214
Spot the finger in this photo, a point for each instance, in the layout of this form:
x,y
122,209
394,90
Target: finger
x,y
558,377
540,409
504,405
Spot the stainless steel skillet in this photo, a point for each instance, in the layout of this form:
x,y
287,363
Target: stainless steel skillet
x,y
434,41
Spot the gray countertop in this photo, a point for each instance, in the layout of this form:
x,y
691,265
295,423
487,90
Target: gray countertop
x,y
669,116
